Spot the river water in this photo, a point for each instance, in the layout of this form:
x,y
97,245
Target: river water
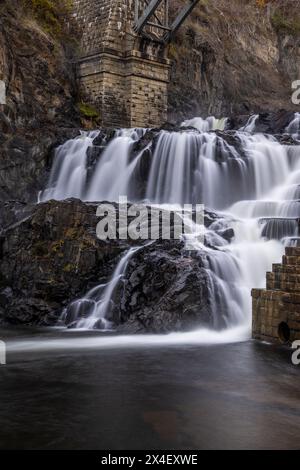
x,y
97,391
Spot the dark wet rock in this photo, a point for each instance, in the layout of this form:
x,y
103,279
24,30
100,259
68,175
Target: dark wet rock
x,y
165,289
144,164
237,121
30,311
286,139
228,145
50,256
6,296
93,155
170,127
12,212
210,217
227,234
267,122
232,142
25,162
274,123
6,125
104,136
146,140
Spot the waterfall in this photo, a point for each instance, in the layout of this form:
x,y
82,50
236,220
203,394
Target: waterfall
x,y
69,170
250,180
91,311
187,166
250,124
294,127
110,178
206,125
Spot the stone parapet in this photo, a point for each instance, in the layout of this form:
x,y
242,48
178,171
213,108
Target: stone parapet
x,y
276,309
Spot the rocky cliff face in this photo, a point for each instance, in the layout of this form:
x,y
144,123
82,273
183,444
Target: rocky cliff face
x,y
40,97
235,57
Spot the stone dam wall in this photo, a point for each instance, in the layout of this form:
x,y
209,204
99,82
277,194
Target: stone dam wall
x,y
276,309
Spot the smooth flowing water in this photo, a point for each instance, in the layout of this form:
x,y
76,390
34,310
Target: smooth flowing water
x,y
86,390
96,304
252,183
294,127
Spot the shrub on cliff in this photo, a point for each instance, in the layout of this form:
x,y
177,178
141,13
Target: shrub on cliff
x,y
286,24
284,16
50,14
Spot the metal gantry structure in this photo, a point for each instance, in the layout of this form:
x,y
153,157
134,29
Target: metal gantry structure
x,y
155,14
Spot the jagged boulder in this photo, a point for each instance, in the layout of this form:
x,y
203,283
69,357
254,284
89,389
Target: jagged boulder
x,y
165,289
50,256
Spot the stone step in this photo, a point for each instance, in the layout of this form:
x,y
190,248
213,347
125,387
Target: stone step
x,y
291,260
291,276
276,309
289,281
280,286
292,251
285,268
277,295
267,294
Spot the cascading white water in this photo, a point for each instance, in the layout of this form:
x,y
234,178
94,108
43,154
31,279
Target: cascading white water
x,y
69,170
294,127
188,166
206,125
70,176
91,311
255,191
112,175
250,124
